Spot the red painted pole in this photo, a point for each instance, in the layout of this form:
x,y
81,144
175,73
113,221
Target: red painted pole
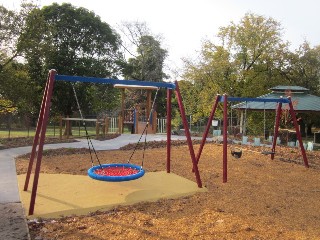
x,y
36,137
188,136
294,119
205,134
169,96
276,130
41,143
225,138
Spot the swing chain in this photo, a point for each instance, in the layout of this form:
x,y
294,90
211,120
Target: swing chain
x,y
145,130
89,142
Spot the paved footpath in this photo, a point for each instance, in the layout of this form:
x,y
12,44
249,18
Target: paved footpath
x,y
13,224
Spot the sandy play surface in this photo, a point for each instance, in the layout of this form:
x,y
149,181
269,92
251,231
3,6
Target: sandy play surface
x,y
64,194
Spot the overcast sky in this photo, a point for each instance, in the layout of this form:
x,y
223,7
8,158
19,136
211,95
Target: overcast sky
x,y
183,24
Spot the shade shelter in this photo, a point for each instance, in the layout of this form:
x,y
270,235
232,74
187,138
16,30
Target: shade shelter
x,y
302,101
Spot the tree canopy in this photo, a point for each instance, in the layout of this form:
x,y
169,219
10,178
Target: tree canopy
x,y
15,84
148,65
146,62
74,41
12,24
246,59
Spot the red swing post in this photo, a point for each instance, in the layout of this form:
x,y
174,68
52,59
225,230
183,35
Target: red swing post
x,y
169,96
205,134
295,123
225,138
37,134
42,127
188,136
276,129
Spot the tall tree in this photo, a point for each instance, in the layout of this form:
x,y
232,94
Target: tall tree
x,y
8,36
148,65
246,62
146,56
304,68
146,61
15,84
74,41
256,52
12,26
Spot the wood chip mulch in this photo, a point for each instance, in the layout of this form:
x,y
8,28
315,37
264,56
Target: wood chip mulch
x,y
263,198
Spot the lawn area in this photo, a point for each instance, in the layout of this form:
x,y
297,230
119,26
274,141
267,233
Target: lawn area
x,y
51,132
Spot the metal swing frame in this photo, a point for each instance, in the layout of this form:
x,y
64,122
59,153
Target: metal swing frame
x,y
38,142
39,138
225,99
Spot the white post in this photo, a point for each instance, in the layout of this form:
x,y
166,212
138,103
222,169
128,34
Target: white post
x,y
241,122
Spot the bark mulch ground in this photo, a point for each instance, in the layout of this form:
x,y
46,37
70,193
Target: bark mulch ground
x,y
263,198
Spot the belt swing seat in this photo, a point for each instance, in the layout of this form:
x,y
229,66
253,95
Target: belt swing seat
x,y
236,152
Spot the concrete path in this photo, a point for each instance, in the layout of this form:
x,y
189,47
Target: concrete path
x,y
13,223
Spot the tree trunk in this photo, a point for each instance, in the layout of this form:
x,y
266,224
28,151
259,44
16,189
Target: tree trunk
x,y
309,130
302,128
68,128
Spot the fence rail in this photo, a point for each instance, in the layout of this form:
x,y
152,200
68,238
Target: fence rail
x,y
12,126
113,125
161,125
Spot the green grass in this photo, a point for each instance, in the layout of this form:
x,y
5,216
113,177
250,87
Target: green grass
x,y
18,133
51,132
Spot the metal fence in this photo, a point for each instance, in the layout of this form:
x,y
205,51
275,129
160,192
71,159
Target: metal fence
x,y
113,125
12,126
161,125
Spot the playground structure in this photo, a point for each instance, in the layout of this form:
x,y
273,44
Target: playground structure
x,y
225,99
136,118
37,148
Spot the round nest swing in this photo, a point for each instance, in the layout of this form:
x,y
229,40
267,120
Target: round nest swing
x,y
116,172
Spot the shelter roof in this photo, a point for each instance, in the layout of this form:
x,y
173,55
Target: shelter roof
x,y
290,88
301,100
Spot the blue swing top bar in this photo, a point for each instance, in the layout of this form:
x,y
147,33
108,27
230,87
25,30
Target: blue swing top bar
x,y
243,99
114,81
